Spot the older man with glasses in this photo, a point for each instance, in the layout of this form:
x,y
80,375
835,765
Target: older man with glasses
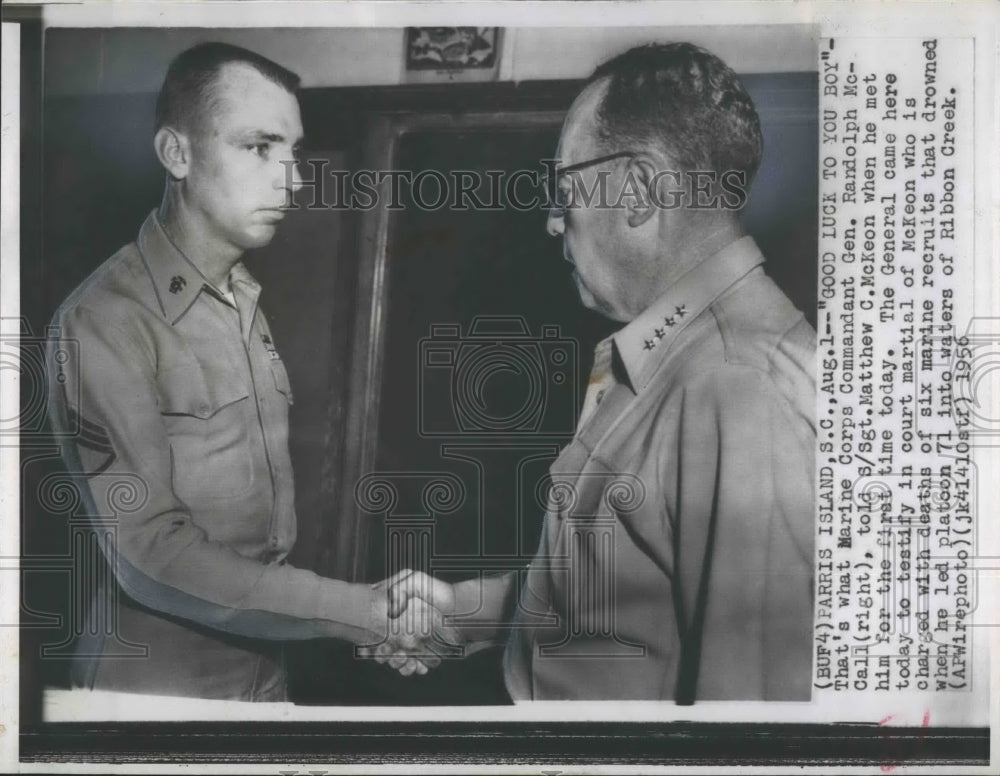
x,y
676,559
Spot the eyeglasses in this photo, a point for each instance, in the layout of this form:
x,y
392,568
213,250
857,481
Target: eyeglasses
x,y
559,200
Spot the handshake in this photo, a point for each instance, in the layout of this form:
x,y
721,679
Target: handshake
x,y
413,618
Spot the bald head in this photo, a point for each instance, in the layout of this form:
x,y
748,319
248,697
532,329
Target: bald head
x,y
580,139
632,146
683,100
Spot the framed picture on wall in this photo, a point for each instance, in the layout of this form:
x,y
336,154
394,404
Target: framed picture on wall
x,y
445,54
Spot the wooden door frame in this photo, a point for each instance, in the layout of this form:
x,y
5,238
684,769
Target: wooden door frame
x,y
365,389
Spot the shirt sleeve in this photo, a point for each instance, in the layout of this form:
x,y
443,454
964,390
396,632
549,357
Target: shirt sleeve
x,y
743,518
484,609
103,390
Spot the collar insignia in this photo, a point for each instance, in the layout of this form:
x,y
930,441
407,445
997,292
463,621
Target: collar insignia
x,y
660,332
269,347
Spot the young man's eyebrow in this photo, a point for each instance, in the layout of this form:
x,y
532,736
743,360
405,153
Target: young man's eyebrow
x,y
261,136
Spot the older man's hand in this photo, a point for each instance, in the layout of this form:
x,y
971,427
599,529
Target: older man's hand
x,y
416,632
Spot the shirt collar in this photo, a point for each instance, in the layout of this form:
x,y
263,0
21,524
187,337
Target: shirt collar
x,y
642,344
176,280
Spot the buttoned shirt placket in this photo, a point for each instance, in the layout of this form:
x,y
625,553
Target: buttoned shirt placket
x,y
247,294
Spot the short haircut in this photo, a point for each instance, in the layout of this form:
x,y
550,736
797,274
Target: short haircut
x,y
188,97
686,101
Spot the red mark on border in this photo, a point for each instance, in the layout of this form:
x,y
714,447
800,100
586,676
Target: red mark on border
x,y
924,724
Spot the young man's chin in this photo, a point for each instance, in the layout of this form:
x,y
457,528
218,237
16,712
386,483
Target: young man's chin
x,y
259,235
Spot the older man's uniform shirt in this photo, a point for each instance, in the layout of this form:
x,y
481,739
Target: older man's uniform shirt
x,y
677,553
180,398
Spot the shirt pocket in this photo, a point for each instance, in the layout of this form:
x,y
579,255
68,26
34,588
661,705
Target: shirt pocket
x,y
205,415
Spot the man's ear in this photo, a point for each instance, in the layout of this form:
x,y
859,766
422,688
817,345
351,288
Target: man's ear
x,y
636,191
173,149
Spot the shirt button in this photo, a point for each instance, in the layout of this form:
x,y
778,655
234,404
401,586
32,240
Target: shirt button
x,y
600,395
203,409
274,541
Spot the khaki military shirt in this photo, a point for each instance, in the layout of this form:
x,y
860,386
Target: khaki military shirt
x,y
175,401
676,559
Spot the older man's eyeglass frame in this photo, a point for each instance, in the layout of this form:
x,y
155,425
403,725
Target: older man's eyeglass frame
x,y
552,191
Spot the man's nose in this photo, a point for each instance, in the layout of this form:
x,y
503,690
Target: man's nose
x,y
290,177
296,178
555,223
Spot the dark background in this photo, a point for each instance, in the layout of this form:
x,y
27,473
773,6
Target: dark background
x,y
100,179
